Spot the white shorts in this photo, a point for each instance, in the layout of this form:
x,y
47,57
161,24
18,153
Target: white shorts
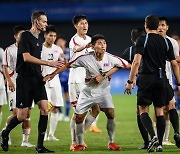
x,y
54,95
74,91
85,103
3,97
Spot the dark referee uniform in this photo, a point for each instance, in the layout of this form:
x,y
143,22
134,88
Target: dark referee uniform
x,y
128,54
30,85
152,80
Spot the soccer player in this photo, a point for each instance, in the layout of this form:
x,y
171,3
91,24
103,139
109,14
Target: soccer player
x,y
9,68
128,55
170,110
52,52
64,77
2,84
29,82
78,45
152,51
96,64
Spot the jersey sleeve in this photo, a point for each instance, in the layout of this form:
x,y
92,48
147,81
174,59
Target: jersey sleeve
x,y
176,48
139,47
117,61
78,62
6,58
24,45
170,53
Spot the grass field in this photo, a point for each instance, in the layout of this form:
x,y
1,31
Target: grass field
x,y
127,134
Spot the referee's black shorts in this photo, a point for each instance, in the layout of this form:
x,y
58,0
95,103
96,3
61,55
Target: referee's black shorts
x,y
29,88
151,89
169,93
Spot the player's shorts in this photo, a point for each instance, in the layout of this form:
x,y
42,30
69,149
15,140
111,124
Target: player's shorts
x,y
74,92
85,103
169,93
3,97
29,88
64,85
54,95
151,90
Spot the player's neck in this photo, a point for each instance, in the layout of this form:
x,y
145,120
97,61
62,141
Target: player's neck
x,y
47,45
35,31
152,31
99,56
82,35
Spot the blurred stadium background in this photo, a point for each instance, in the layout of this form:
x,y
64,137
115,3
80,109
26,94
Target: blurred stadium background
x,y
112,18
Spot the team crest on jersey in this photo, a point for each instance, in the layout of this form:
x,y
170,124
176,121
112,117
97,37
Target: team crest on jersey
x,y
55,51
106,64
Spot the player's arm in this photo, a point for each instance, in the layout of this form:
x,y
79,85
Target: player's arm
x,y
31,59
78,48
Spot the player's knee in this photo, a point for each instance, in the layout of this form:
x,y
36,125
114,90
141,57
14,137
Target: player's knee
x,y
79,118
44,111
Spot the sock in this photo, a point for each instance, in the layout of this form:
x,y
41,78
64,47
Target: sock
x,y
68,107
167,129
26,133
88,121
143,131
147,123
95,121
174,118
12,124
160,128
0,117
42,125
79,132
155,128
111,129
53,123
72,128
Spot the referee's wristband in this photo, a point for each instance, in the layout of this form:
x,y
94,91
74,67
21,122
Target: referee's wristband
x,y
129,81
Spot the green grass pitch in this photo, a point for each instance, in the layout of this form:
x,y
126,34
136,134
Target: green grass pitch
x,y
127,134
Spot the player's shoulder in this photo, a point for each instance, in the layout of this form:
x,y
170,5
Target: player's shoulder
x,y
173,41
56,47
11,47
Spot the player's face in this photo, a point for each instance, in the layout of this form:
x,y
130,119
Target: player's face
x,y
41,24
100,46
50,38
82,27
162,28
17,37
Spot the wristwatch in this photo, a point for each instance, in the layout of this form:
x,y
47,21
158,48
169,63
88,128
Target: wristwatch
x,y
129,81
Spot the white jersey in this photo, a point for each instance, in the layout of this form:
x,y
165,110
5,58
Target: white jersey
x,y
51,54
10,61
77,75
2,84
94,68
168,64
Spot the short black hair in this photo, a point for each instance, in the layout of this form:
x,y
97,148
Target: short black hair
x,y
152,22
77,18
162,18
17,29
59,37
97,37
36,15
135,33
50,28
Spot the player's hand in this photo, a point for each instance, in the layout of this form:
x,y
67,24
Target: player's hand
x,y
11,85
48,77
56,64
99,78
88,45
128,88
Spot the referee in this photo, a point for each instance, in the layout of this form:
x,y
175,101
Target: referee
x,y
152,50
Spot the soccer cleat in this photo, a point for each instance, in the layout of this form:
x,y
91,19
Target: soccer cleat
x,y
60,117
159,148
66,119
72,147
166,142
177,140
9,141
27,144
95,129
43,150
152,144
79,148
113,146
143,147
4,141
85,145
52,138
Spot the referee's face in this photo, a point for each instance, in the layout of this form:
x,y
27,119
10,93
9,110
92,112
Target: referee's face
x,y
162,28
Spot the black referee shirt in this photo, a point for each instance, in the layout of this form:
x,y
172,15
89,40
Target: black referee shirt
x,y
154,54
32,45
128,54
